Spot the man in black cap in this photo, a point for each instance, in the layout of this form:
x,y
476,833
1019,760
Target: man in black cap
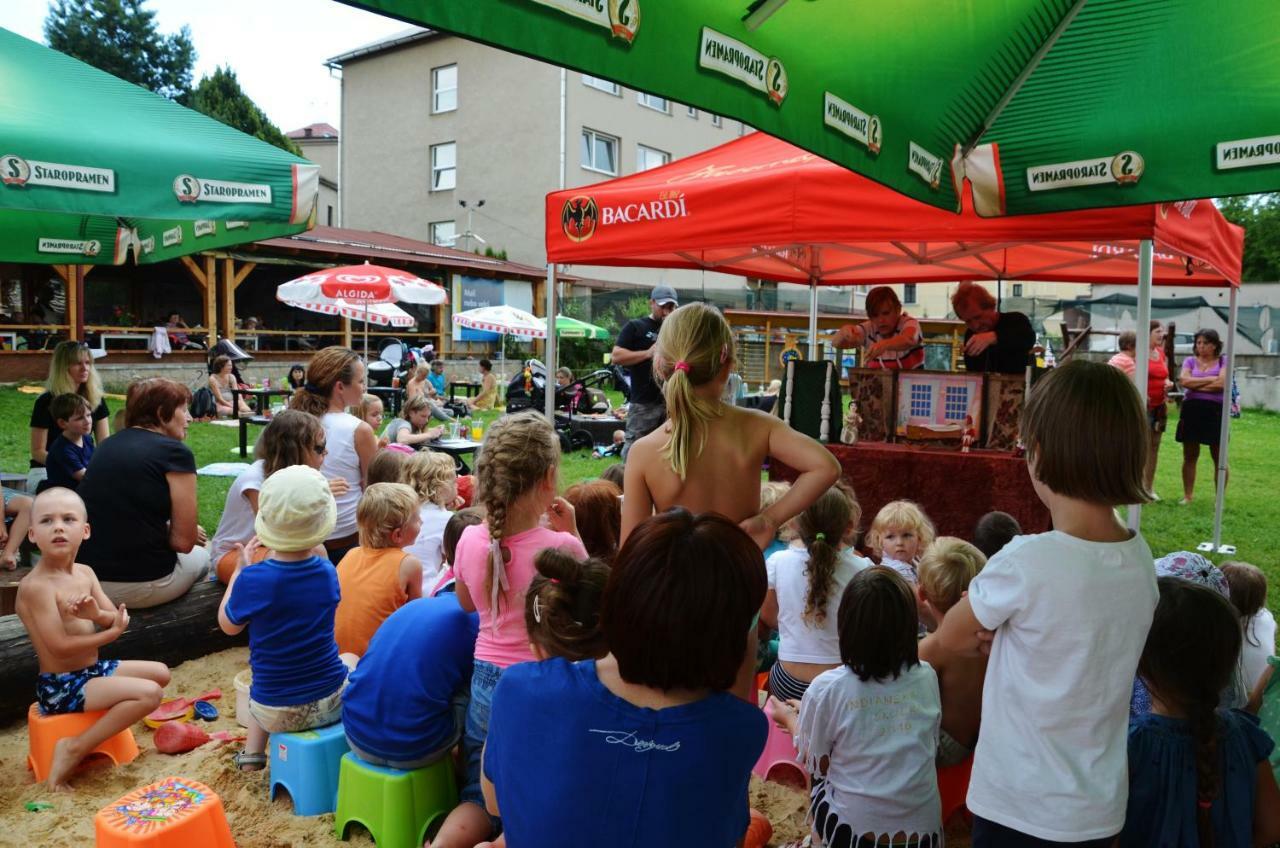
x,y
634,351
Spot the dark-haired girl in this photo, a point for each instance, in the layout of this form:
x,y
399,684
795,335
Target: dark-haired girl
x,y
1198,776
806,581
868,729
1200,422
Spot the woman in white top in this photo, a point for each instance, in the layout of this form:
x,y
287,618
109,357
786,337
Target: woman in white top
x,y
805,584
868,730
292,438
433,477
335,381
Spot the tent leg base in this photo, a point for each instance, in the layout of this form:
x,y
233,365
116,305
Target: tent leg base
x,y
1208,548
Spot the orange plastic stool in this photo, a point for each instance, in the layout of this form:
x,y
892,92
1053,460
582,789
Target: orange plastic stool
x,y
173,813
45,731
953,786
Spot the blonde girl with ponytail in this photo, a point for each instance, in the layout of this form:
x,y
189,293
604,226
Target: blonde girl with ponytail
x,y
707,456
806,581
517,476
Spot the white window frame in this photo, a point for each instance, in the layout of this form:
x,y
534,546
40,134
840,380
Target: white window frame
x,y
645,99
692,112
715,120
592,136
438,171
1017,290
431,233
908,293
600,84
642,149
436,90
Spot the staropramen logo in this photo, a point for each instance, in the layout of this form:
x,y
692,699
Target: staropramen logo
x,y
79,247
724,55
189,189
19,172
620,17
849,120
1248,152
924,165
1125,168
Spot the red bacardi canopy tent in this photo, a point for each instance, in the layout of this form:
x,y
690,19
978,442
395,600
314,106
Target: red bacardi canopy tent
x,y
760,207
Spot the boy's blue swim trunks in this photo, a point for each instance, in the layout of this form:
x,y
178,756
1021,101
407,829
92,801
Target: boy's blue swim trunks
x,y
64,693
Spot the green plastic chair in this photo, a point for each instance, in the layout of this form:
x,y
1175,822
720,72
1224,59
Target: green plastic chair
x,y
1269,713
396,807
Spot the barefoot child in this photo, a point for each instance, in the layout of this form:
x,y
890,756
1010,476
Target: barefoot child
x,y
377,577
70,453
867,730
1070,609
62,605
17,507
288,601
946,569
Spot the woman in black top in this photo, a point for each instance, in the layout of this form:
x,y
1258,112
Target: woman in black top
x,y
70,371
140,494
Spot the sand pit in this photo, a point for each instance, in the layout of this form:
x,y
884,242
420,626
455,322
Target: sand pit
x,y
255,822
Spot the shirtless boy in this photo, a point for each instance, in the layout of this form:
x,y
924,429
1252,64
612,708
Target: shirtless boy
x,y
68,618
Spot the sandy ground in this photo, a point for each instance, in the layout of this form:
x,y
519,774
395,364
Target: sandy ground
x,y
255,821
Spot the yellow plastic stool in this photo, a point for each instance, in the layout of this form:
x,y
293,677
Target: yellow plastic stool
x,y
44,731
173,813
396,807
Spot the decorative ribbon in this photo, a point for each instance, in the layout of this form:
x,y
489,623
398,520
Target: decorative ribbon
x,y
500,583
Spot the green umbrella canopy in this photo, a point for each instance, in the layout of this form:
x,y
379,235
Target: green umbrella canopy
x,y
1043,105
91,166
572,328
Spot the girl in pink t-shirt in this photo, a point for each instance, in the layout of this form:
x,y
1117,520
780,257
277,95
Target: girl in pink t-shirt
x,y
517,474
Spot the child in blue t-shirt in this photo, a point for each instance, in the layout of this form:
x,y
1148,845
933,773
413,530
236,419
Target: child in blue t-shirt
x,y
288,602
1198,775
70,452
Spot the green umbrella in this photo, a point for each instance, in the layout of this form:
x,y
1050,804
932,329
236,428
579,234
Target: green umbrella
x,y
572,328
92,166
1044,105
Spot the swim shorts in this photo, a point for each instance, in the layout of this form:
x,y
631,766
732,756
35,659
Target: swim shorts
x,y
64,692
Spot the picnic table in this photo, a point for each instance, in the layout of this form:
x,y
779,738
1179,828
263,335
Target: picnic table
x,y
456,448
263,395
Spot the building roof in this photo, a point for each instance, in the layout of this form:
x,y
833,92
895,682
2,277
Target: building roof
x,y
315,131
338,244
391,42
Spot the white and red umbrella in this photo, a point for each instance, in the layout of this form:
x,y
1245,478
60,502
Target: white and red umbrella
x,y
362,292
503,319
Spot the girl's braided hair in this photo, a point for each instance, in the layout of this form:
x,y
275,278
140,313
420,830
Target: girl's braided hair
x,y
821,528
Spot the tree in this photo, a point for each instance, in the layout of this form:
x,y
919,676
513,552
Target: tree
x,y
1259,214
220,97
120,37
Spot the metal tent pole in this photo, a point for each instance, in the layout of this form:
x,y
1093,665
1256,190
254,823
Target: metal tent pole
x,y
1224,438
550,389
814,274
1142,351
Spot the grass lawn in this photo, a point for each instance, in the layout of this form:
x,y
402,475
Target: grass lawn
x,y
1250,520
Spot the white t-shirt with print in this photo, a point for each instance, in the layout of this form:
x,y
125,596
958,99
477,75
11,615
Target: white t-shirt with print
x,y
881,738
1071,617
798,639
429,546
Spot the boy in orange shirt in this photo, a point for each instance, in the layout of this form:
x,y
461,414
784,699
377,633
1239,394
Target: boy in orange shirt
x,y
378,577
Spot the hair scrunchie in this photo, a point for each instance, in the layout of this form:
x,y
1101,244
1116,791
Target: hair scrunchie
x,y
681,366
311,387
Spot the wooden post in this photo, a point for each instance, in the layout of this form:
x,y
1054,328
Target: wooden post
x,y
76,316
346,332
231,280
206,276
768,337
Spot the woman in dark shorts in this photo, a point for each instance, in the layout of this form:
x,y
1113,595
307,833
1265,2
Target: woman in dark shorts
x,y
1204,380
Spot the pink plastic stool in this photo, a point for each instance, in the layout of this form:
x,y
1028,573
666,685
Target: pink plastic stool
x,y
953,786
779,756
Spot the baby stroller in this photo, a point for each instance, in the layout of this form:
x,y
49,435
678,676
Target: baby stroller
x,y
527,389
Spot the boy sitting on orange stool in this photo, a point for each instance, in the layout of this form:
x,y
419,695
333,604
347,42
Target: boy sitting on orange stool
x,y
60,602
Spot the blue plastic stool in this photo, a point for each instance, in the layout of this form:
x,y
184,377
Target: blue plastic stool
x,y
306,764
396,807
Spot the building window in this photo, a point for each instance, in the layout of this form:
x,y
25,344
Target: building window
x,y
955,403
693,111
909,293
650,157
599,152
444,166
444,89
602,85
921,400
652,101
328,216
443,233
1017,289
715,120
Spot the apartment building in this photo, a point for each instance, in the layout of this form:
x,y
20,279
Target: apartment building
x,y
457,143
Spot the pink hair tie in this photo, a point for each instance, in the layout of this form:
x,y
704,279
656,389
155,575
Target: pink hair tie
x,y
681,366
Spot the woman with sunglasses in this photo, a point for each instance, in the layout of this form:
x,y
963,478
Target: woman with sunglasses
x,y
292,438
70,371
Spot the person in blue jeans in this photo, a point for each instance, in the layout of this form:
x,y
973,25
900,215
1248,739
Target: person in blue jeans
x,y
644,746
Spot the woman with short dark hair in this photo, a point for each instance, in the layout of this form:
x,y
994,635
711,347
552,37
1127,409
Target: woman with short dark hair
x,y
644,746
488,397
1200,423
140,495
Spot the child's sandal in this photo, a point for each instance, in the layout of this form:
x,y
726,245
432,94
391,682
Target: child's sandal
x,y
255,762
